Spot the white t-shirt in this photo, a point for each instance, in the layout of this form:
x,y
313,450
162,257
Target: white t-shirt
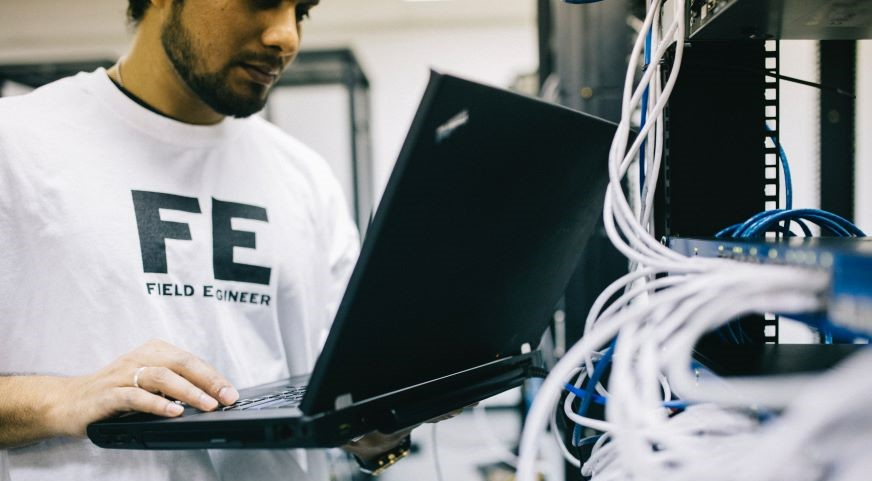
x,y
119,225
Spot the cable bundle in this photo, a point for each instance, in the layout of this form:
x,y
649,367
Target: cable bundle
x,y
667,418
771,220
781,219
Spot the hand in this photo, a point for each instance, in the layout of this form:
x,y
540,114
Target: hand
x,y
372,445
138,381
452,414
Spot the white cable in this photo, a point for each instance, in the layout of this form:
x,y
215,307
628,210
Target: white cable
x,y
581,420
658,321
555,432
624,300
551,387
491,440
437,466
756,279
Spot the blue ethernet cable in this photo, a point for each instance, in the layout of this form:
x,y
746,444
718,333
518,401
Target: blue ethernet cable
x,y
644,119
588,397
757,225
676,404
748,223
596,398
834,223
731,230
785,167
806,230
760,227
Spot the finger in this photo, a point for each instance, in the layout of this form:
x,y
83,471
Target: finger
x,y
134,399
447,416
164,380
377,442
398,435
192,368
391,437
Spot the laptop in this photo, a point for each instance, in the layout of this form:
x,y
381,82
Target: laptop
x,y
481,225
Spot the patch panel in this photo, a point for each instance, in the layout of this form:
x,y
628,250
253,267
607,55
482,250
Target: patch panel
x,y
781,19
847,260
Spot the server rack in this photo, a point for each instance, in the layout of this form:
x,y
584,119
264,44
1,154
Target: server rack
x,y
721,161
720,164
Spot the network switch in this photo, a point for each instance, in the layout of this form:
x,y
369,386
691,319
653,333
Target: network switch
x,y
847,260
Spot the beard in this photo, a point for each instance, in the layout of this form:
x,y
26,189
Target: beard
x,y
213,88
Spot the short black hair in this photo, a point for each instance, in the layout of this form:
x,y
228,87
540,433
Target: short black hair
x,y
136,10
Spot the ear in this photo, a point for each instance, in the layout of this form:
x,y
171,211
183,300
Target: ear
x,y
162,7
158,11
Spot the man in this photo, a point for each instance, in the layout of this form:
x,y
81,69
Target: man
x,y
143,202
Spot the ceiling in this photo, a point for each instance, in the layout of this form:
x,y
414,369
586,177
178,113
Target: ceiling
x,y
370,14
355,14
46,28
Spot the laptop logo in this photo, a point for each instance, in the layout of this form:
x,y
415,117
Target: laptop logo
x,y
445,130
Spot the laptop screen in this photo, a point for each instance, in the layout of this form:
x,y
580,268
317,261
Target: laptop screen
x,y
483,220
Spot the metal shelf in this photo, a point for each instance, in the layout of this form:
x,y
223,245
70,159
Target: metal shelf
x,y
780,19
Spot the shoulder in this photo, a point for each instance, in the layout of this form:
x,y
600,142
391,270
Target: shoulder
x,y
47,127
48,98
27,119
57,102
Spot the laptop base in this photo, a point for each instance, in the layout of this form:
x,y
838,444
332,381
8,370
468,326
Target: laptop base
x,y
284,428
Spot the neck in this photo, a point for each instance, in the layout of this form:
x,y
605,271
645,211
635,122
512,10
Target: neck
x,y
148,74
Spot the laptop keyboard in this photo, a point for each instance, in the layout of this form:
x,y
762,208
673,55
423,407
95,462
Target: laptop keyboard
x,y
289,397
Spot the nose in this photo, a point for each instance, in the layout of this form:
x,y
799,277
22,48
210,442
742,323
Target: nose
x,y
282,33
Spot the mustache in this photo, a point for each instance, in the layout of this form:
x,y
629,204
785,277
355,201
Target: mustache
x,y
271,61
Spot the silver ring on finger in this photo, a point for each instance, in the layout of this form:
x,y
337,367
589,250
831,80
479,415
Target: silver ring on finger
x,y
136,375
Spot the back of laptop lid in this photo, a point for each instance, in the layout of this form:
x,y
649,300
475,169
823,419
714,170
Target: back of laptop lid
x,y
483,220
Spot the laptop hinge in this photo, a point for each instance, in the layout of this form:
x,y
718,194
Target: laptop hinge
x,y
343,401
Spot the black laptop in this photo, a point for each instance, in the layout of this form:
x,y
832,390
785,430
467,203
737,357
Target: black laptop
x,y
482,222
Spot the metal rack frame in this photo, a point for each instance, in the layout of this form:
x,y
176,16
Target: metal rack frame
x,y
721,165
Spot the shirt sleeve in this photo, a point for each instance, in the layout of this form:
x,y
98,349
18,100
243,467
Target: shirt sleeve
x,y
343,249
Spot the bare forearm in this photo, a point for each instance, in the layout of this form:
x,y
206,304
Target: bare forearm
x,y
27,409
34,408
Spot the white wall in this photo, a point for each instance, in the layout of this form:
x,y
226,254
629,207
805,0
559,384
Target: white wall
x,y
863,183
800,129
46,30
397,63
